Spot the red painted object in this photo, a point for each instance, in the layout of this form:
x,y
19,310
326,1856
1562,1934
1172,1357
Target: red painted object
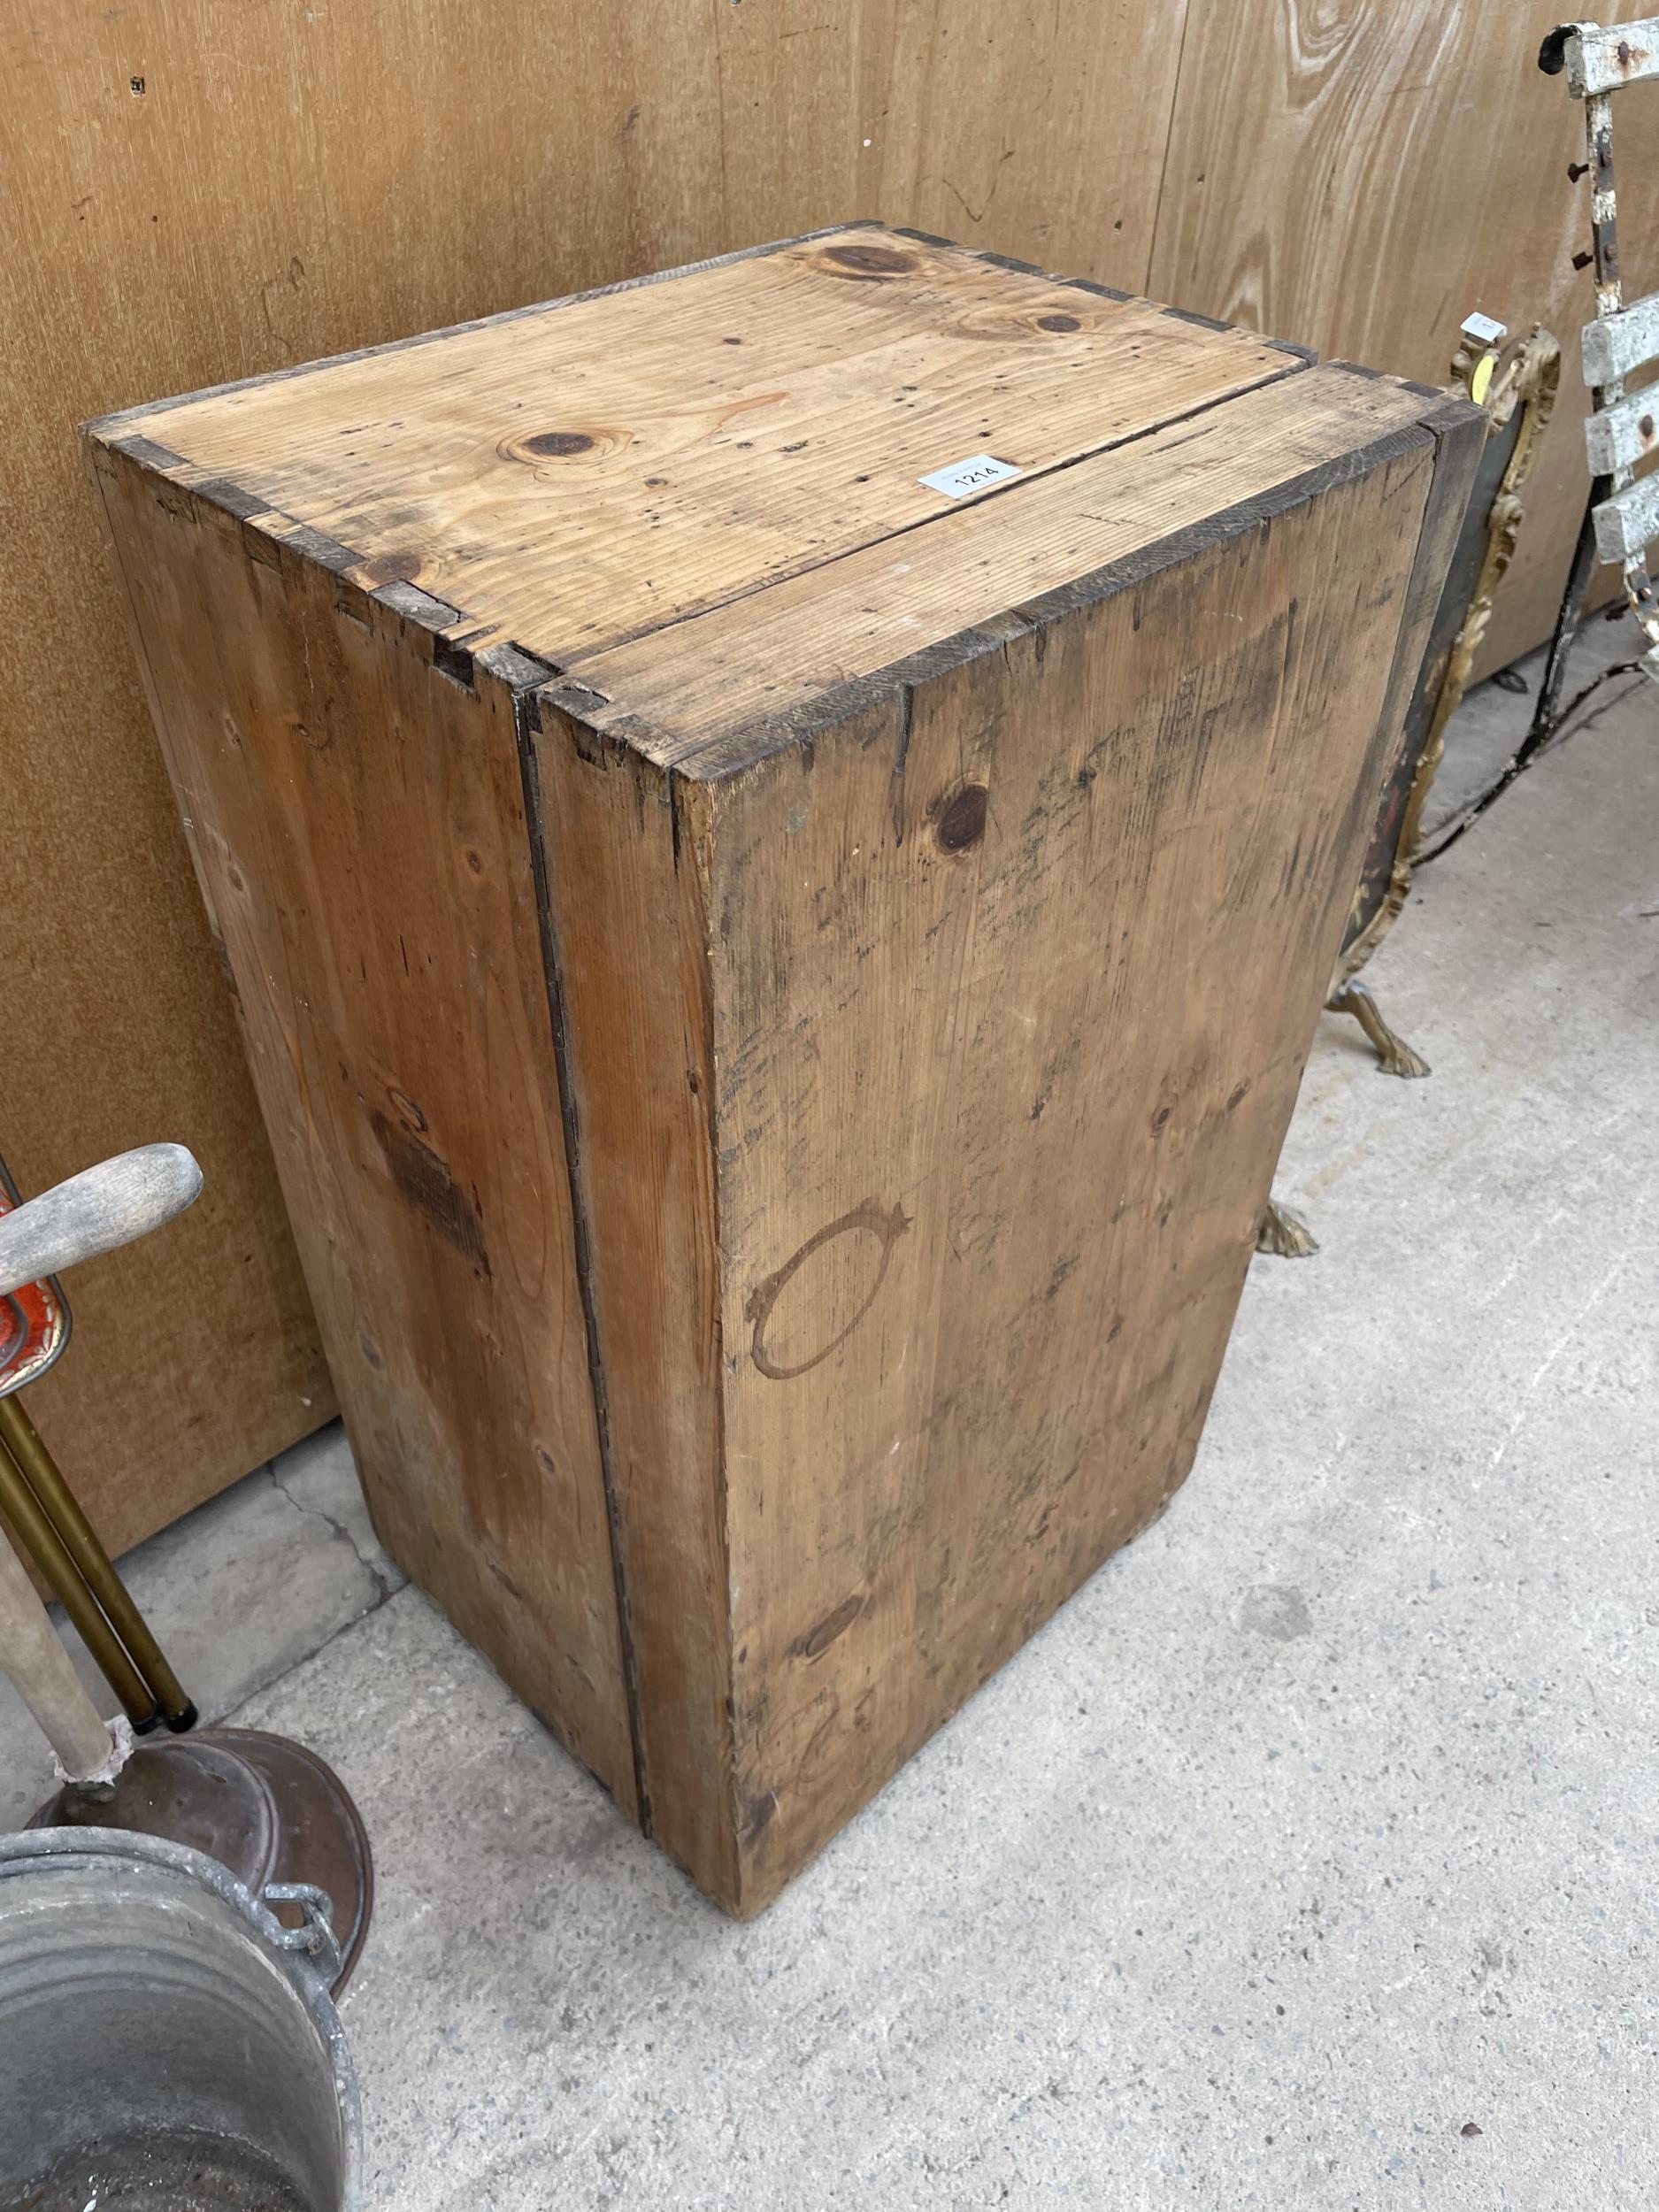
x,y
33,1320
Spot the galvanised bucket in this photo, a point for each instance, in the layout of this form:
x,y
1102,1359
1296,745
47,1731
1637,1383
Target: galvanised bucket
x,y
164,2040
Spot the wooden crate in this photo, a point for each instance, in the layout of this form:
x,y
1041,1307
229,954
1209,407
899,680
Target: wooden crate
x,y
777,986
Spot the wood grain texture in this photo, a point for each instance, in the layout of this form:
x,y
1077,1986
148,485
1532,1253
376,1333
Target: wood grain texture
x,y
1599,60
580,474
1362,178
356,818
626,944
98,1210
36,1662
1001,1081
951,115
777,1143
268,196
778,662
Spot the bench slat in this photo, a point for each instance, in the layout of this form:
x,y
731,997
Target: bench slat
x,y
1629,520
1616,344
1603,59
1620,436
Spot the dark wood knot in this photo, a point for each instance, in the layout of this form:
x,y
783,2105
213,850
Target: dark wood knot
x,y
870,261
557,445
960,821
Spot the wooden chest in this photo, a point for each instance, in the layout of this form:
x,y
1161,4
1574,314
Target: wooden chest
x,y
778,833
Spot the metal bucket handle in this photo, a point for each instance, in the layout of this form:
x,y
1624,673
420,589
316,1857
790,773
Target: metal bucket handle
x,y
316,1935
313,1947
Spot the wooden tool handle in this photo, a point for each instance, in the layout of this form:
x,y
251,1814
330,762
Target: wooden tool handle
x,y
95,1212
42,1673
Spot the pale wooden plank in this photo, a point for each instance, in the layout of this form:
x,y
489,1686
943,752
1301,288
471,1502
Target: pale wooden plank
x,y
625,931
952,110
778,654
843,928
42,1676
966,104
598,468
108,1205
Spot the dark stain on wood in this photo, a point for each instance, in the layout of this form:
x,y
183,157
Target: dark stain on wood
x,y
960,821
868,263
886,1224
401,566
506,1580
406,1105
557,445
817,1641
422,1176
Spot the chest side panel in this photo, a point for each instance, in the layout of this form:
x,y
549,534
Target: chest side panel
x,y
357,824
625,943
1014,981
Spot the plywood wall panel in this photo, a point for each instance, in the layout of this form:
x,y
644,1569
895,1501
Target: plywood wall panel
x,y
200,191
1361,177
203,189
1001,125
1038,129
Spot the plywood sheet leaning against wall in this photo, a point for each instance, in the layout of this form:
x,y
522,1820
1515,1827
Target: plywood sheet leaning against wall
x,y
1363,177
195,201
777,990
195,195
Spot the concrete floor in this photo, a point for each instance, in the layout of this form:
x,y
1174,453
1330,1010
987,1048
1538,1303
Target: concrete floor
x,y
1307,1859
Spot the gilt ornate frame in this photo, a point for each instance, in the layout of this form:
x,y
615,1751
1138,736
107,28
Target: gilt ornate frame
x,y
1516,387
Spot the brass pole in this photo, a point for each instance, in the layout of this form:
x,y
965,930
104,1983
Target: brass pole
x,y
40,1541
23,1443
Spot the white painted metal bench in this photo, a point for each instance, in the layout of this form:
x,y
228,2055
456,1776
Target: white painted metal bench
x,y
1624,427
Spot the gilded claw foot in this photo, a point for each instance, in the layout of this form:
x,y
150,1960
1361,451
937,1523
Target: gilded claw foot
x,y
1395,1055
1285,1234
